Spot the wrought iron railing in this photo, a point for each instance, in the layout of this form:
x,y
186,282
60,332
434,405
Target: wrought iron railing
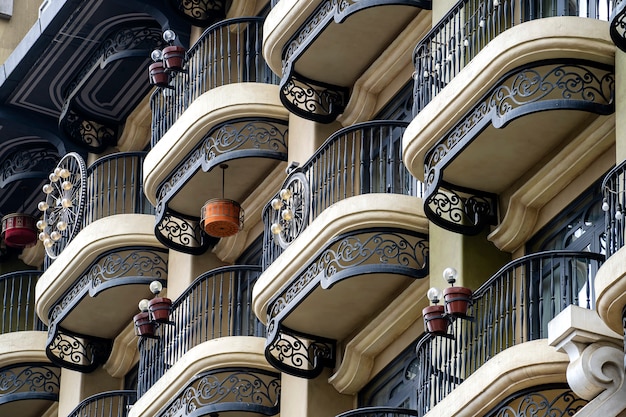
x,y
217,304
17,290
29,381
379,412
106,404
614,204
512,307
470,25
114,185
360,159
227,52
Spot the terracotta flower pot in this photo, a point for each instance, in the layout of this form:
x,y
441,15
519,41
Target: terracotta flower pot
x,y
457,300
435,319
144,326
18,230
160,308
158,75
174,57
221,218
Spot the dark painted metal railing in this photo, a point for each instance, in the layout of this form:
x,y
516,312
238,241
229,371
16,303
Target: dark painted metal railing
x,y
29,381
114,186
614,204
106,404
360,159
379,412
470,25
217,304
17,290
226,53
512,307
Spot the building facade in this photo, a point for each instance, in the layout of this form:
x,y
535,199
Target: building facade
x,y
312,208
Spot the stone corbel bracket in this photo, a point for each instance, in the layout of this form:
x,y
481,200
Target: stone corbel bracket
x,y
596,369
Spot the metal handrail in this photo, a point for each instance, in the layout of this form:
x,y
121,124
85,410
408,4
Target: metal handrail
x,y
106,404
17,290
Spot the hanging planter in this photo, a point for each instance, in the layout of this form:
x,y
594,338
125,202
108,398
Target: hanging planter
x,y
158,75
160,308
174,57
18,230
457,300
221,217
435,320
144,326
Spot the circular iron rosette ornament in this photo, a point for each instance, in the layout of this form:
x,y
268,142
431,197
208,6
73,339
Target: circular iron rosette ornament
x,y
291,210
64,204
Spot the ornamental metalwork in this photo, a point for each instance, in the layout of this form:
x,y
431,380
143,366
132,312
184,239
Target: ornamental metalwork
x,y
64,204
119,267
107,404
290,214
461,210
29,381
618,24
76,352
613,205
547,401
299,354
369,251
235,139
229,389
33,162
93,135
316,100
201,12
539,86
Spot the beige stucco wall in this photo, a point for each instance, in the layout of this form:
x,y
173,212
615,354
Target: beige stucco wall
x,y
25,13
620,106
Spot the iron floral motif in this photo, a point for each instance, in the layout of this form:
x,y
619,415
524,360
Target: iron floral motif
x,y
539,404
201,12
180,232
26,161
34,378
76,352
230,389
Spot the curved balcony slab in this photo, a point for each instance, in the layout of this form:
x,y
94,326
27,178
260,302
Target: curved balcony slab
x,y
167,395
219,105
350,274
29,382
315,84
490,96
610,285
110,263
516,368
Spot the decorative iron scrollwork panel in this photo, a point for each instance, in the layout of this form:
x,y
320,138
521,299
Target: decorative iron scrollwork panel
x,y
539,86
313,100
90,134
35,162
181,233
76,352
297,353
229,389
201,12
541,402
461,210
618,24
29,381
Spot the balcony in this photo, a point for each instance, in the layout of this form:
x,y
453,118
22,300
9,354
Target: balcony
x,y
17,290
305,38
107,404
211,320
611,297
28,389
510,313
331,237
504,77
222,110
105,254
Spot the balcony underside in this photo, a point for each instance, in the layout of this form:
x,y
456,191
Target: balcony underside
x,y
513,119
350,278
315,83
90,293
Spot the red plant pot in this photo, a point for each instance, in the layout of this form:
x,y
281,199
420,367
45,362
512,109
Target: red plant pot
x,y
457,300
160,308
158,76
174,57
18,230
144,326
435,320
